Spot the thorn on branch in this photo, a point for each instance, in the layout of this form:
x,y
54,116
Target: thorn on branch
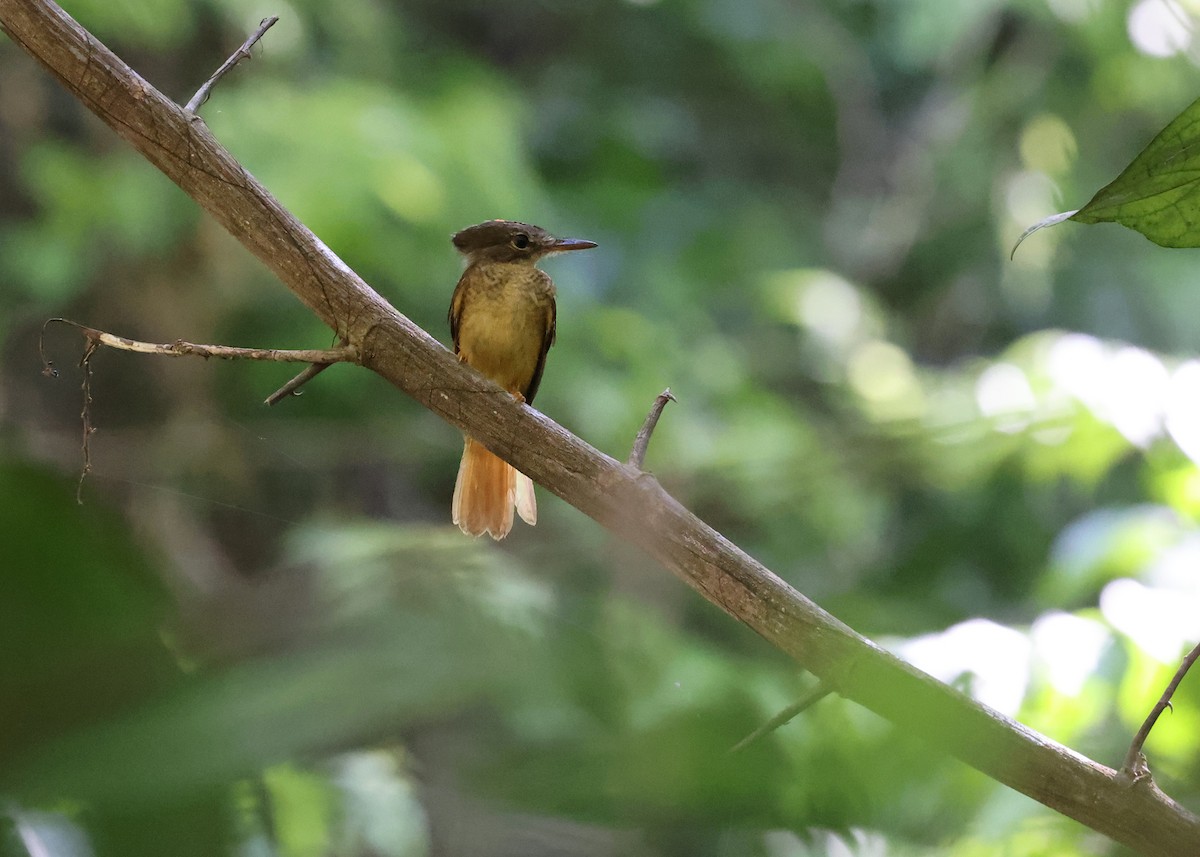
x,y
1138,771
814,696
637,456
201,96
1135,766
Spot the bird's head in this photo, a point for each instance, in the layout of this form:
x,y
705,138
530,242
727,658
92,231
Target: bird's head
x,y
512,241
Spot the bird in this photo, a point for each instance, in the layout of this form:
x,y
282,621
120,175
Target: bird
x,y
502,321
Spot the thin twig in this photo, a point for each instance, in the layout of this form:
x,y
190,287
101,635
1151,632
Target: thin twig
x,y
319,358
638,456
292,387
1135,766
242,53
180,348
814,696
48,369
85,417
85,413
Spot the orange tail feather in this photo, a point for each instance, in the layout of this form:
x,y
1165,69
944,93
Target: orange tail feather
x,y
487,490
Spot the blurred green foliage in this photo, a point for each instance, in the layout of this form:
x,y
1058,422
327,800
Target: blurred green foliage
x,y
260,635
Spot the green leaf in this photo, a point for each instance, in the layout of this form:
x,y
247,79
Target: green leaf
x,y
1159,193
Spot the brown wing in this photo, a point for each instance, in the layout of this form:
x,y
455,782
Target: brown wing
x,y
547,340
456,310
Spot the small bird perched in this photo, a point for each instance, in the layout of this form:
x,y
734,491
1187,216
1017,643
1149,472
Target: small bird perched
x,y
502,321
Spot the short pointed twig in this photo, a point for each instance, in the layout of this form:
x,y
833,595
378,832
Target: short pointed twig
x,y
1134,766
240,54
814,696
292,387
638,456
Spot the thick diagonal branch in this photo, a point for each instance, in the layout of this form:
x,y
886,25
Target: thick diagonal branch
x,y
625,500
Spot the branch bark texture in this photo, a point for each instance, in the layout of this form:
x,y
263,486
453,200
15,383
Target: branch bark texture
x,y
626,501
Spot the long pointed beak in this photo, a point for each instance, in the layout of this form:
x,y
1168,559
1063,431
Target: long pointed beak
x,y
562,245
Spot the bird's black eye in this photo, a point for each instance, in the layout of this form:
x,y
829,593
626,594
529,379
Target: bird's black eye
x,y
520,241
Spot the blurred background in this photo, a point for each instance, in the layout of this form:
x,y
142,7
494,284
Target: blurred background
x,y
259,633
